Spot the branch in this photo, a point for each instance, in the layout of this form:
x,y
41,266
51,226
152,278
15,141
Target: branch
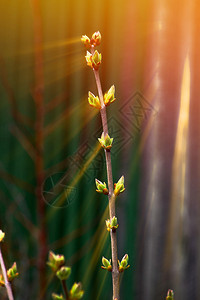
x,y
7,283
111,196
38,94
64,286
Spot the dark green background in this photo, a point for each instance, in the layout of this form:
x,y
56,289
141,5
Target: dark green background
x,y
144,48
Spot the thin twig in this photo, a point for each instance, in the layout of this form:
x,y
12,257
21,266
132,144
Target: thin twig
x,y
64,286
111,196
7,283
38,94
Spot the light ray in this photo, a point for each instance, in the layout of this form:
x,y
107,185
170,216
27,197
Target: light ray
x,y
60,122
100,236
47,46
179,189
76,179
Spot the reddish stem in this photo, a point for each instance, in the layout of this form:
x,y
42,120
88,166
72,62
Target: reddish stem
x,y
7,283
39,164
111,196
64,286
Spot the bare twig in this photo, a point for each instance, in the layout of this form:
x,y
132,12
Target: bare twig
x,y
111,196
7,283
39,135
64,286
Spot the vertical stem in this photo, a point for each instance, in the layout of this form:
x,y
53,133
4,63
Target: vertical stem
x,y
111,196
65,289
39,164
7,283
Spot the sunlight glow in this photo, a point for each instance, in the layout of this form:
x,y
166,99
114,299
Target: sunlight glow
x,y
180,156
182,132
76,179
47,46
179,186
100,238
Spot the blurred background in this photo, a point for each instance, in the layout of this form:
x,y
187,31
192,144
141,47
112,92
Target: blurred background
x,y
49,155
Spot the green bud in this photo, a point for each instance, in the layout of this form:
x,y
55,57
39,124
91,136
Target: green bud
x,y
125,257
106,264
114,221
94,100
121,180
170,295
12,272
93,60
109,96
96,39
123,265
124,261
108,226
112,225
106,141
96,60
63,273
2,283
57,297
76,291
55,261
88,58
101,187
86,41
2,235
119,186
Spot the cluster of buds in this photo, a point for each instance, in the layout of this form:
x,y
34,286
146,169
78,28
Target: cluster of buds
x,y
106,264
76,291
56,263
112,224
57,297
109,96
170,295
119,186
93,59
12,273
106,141
123,265
101,187
63,273
93,42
